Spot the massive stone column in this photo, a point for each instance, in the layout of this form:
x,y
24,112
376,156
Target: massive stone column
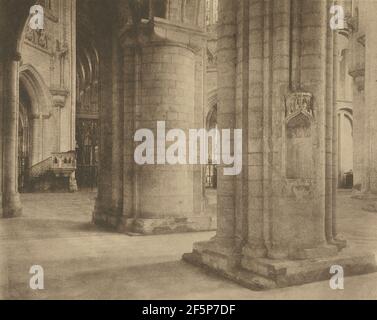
x,y
164,192
155,88
104,213
163,195
225,245
12,23
1,133
10,196
117,126
288,110
370,168
109,205
364,72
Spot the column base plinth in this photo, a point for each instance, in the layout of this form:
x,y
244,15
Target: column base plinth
x,y
254,251
225,260
73,184
11,206
168,225
339,241
281,253
265,273
112,219
219,254
314,253
106,217
107,221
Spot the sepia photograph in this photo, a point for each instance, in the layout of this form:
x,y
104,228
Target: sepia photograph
x,y
188,150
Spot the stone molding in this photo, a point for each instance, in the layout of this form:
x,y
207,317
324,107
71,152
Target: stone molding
x,y
41,116
164,32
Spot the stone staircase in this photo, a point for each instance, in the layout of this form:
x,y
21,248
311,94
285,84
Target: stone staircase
x,y
41,168
56,173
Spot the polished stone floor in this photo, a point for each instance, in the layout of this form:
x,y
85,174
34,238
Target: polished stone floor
x,y
83,262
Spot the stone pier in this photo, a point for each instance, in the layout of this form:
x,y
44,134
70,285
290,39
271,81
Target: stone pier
x,y
277,223
11,205
158,70
364,72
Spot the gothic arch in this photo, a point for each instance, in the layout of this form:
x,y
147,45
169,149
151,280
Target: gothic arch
x,y
36,89
348,113
211,117
211,169
345,147
211,106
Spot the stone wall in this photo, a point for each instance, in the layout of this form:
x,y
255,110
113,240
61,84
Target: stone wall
x,y
50,56
1,135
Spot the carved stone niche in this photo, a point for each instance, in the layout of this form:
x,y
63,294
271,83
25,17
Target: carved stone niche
x,y
59,97
298,102
299,144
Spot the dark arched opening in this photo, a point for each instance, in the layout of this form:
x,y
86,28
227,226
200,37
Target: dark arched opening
x,y
24,139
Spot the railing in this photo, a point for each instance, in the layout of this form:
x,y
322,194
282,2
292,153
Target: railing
x,y
211,176
63,163
23,162
40,168
60,163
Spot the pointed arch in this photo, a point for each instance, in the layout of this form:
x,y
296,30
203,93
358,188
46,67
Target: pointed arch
x,y
36,88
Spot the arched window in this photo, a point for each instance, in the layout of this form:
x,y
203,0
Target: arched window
x,y
211,169
23,139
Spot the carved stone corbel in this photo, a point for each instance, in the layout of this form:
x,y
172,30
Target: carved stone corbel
x,y
59,97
